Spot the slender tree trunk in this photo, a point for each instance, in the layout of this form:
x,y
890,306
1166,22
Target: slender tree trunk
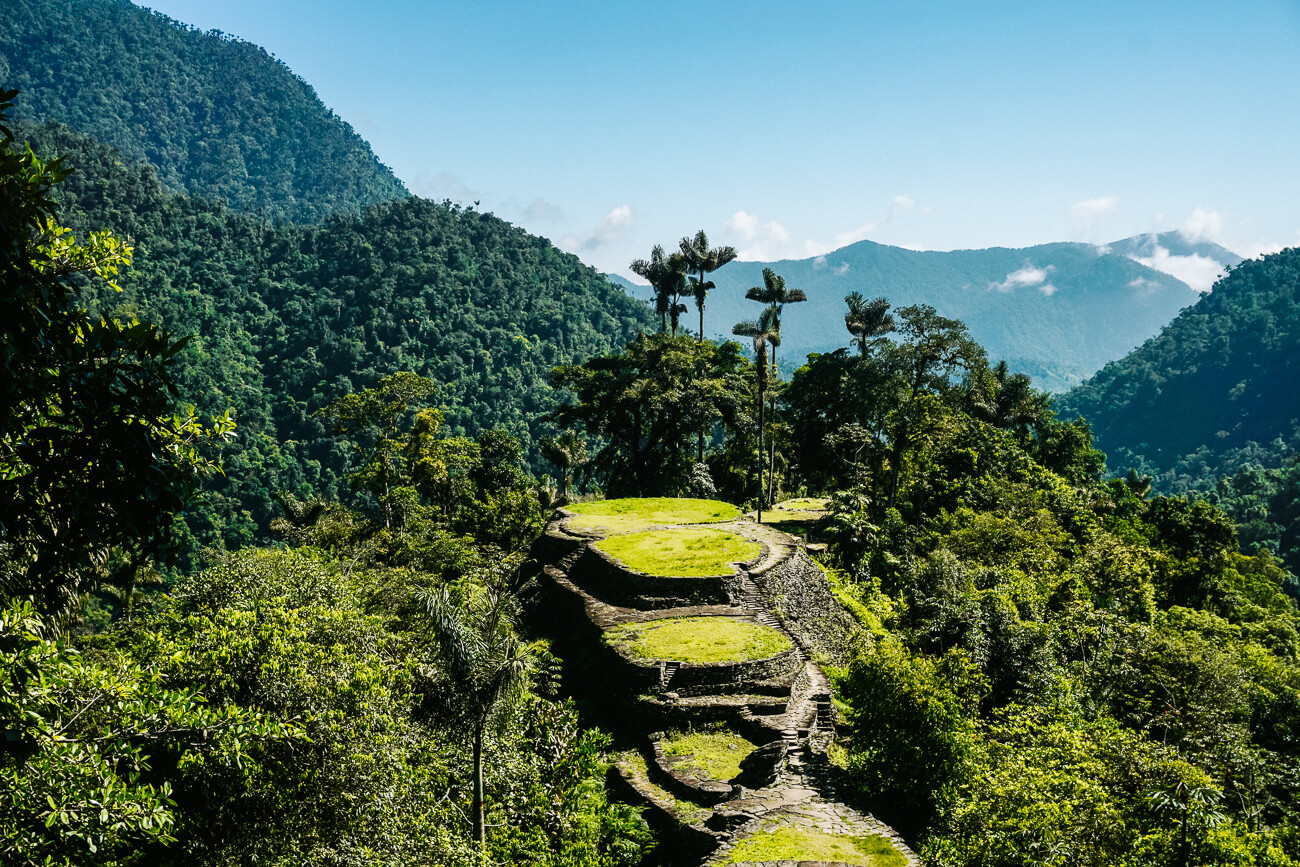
x,y
476,809
760,456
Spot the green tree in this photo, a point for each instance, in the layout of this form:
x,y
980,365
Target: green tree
x,y
647,401
701,260
667,277
487,667
867,321
775,294
763,332
373,418
568,452
93,456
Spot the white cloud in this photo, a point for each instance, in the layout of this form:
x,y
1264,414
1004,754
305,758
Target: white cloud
x,y
542,211
819,263
759,241
609,230
842,270
1143,286
900,203
1261,248
1202,225
1048,289
1195,270
1025,277
441,186
1087,213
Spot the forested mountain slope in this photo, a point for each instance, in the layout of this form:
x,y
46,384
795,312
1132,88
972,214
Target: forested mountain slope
x,y
216,116
1057,311
286,318
1212,404
1221,375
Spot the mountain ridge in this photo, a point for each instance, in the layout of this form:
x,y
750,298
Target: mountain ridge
x,y
216,116
1057,311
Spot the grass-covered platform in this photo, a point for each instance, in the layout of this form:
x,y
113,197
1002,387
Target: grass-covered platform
x,y
640,513
699,640
789,843
681,552
709,755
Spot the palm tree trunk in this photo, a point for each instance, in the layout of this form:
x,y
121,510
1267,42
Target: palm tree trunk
x,y
760,456
476,809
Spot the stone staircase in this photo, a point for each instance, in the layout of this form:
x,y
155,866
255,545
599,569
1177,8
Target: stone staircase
x,y
701,822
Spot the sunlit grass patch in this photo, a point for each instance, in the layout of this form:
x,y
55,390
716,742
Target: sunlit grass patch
x,y
699,639
638,513
805,844
634,765
805,504
714,755
681,552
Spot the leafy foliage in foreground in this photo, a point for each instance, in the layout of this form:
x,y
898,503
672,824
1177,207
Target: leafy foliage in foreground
x,y
287,319
1055,669
217,117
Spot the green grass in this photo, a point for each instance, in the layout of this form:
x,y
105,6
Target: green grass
x,y
714,755
681,552
628,515
805,504
804,844
634,765
699,639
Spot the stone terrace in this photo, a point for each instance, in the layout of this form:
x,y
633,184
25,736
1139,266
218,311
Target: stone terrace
x,y
784,709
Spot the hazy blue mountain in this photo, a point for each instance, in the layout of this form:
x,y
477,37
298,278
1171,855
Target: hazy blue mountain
x,y
215,116
1174,244
1057,311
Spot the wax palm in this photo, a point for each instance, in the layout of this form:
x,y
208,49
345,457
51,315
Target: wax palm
x,y
764,332
867,321
701,260
666,274
775,294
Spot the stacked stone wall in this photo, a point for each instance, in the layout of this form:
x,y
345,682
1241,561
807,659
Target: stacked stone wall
x,y
797,591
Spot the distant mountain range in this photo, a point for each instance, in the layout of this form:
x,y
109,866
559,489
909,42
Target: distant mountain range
x,y
1057,312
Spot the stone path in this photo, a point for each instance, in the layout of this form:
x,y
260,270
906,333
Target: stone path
x,y
802,795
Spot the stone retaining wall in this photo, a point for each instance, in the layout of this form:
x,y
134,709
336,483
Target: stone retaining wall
x,y
717,678
796,589
610,581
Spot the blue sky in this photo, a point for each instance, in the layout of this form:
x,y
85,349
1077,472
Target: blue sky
x,y
789,130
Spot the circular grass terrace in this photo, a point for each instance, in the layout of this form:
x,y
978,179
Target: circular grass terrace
x,y
696,640
682,552
788,843
640,513
708,755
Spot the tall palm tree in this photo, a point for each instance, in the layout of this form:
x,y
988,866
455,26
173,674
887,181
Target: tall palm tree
x,y
867,321
666,274
764,333
488,668
701,260
775,294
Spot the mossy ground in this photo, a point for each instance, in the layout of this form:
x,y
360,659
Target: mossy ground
x,y
805,844
633,764
681,552
714,755
639,513
699,639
